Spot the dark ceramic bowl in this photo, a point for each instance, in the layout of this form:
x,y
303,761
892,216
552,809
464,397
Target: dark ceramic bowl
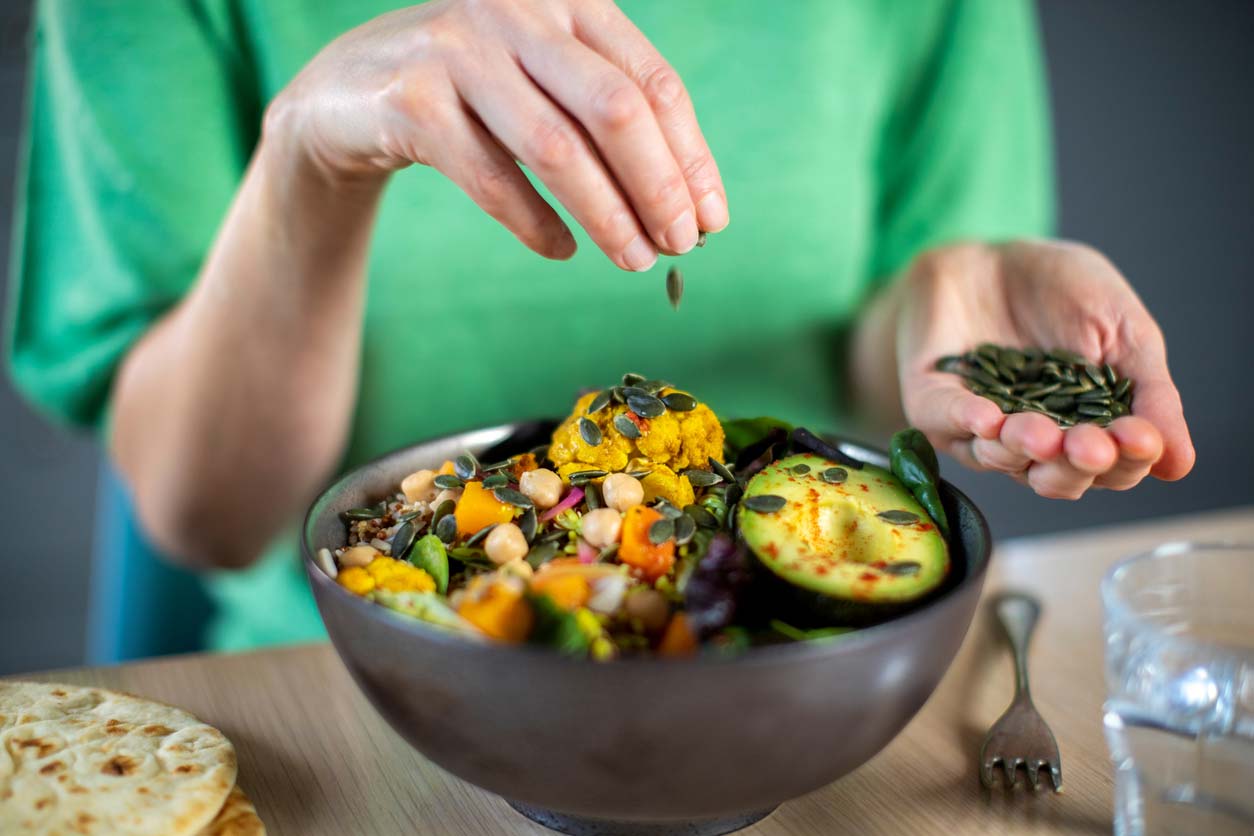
x,y
696,746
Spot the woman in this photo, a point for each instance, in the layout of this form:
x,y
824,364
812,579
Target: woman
x,y
220,264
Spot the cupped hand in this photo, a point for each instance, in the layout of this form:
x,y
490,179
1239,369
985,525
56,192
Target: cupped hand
x,y
1038,294
569,88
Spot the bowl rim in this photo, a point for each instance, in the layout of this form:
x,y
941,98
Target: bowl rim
x,y
760,655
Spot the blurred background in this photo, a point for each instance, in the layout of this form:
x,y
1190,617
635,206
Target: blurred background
x,y
1154,138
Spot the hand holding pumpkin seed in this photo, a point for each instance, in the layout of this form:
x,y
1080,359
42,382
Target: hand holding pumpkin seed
x,y
532,91
1050,369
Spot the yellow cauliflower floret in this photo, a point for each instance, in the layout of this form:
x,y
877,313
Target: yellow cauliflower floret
x,y
666,483
678,440
396,576
356,580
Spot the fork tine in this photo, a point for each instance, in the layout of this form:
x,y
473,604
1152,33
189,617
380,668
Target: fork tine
x,y
1055,775
986,772
1012,776
1034,774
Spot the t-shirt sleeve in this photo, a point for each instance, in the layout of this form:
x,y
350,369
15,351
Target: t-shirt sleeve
x,y
966,150
140,120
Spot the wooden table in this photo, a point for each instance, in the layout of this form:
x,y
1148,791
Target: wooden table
x,y
317,759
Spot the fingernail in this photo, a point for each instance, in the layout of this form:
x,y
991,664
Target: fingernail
x,y
712,212
639,255
682,235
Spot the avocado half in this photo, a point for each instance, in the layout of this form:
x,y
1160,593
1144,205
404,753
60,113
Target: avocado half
x,y
835,558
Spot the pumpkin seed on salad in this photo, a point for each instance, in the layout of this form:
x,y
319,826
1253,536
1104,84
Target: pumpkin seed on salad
x,y
649,526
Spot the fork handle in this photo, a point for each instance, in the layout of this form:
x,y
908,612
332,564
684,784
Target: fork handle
x,y
1018,614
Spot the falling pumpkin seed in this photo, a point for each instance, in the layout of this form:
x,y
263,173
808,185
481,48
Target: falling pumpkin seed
x,y
674,286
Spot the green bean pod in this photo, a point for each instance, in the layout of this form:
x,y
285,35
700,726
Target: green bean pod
x,y
914,462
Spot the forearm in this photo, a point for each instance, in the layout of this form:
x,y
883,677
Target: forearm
x,y
875,393
232,409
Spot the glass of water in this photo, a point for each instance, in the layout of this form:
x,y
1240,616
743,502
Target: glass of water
x,y
1179,716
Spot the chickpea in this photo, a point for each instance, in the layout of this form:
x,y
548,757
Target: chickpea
x,y
601,527
358,556
505,544
542,486
419,486
622,491
447,493
518,568
650,607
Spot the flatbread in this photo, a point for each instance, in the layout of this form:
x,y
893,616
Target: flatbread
x,y
238,817
86,761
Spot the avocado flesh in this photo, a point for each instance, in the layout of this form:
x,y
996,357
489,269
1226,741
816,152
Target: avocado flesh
x,y
828,540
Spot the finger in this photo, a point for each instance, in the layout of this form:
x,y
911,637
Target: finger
x,y
614,112
964,453
544,139
993,455
1139,440
607,30
1032,436
489,175
1058,479
1140,445
946,411
1090,449
1157,400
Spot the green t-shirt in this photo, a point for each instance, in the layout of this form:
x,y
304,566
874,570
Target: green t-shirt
x,y
850,136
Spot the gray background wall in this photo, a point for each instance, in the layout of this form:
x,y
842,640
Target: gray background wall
x,y
1155,148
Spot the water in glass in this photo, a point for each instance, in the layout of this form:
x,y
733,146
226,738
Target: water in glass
x,y
1179,716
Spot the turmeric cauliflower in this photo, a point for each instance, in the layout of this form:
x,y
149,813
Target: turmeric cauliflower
x,y
385,573
668,444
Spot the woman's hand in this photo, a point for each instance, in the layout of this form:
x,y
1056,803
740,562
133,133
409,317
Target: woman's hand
x,y
569,88
1048,295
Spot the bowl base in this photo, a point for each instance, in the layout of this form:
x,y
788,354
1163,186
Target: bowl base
x,y
593,826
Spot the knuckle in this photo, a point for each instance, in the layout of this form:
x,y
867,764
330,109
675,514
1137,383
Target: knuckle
x,y
493,186
672,190
661,86
617,106
612,229
699,169
550,145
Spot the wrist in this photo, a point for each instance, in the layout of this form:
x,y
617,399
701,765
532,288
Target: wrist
x,y
288,154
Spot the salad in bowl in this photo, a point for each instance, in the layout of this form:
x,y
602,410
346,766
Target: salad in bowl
x,y
649,526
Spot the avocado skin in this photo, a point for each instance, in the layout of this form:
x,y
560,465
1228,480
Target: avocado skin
x,y
774,597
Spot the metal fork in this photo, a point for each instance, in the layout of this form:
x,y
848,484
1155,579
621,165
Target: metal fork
x,y
1020,737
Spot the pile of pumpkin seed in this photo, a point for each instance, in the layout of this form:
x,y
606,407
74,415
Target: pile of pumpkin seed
x,y
1059,384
